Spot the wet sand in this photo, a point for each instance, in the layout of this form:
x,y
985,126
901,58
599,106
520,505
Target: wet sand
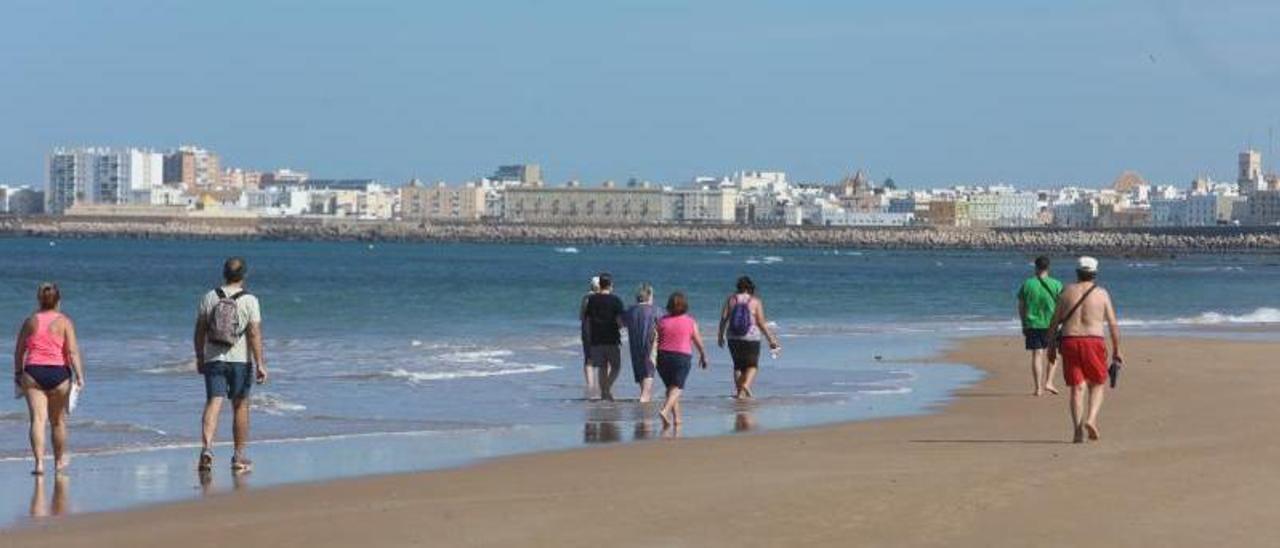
x,y
1188,458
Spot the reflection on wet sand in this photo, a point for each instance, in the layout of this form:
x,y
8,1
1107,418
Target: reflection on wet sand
x,y
239,481
40,506
744,418
601,424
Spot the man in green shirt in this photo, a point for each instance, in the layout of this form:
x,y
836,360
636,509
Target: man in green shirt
x,y
1037,300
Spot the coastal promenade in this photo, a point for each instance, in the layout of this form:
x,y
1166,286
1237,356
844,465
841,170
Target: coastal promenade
x,y
1136,241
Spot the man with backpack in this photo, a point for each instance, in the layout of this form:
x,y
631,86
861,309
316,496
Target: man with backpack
x,y
228,346
1037,301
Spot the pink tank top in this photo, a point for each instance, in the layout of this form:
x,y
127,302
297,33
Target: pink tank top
x,y
675,334
45,348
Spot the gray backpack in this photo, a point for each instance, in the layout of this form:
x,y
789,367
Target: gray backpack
x,y
224,319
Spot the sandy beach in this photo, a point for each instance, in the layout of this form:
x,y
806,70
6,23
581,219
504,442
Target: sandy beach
x,y
1187,459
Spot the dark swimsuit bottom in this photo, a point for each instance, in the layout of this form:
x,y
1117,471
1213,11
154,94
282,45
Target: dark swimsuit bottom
x,y
47,376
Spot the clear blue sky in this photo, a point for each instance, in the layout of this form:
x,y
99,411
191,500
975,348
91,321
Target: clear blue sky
x,y
929,92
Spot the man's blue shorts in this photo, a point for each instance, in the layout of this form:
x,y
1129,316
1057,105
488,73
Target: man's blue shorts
x,y
227,380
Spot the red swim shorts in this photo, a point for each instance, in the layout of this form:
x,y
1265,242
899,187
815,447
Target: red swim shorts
x,y
1084,359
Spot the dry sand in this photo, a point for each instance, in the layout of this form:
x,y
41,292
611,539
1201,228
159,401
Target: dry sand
x,y
1189,457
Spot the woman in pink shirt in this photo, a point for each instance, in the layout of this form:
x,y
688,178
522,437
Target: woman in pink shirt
x,y
677,337
43,361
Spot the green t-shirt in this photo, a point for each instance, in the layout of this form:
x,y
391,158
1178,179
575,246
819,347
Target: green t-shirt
x,y
1040,301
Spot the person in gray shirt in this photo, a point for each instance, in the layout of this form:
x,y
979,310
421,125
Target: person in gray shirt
x,y
228,347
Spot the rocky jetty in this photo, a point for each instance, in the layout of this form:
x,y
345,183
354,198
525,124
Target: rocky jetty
x,y
1113,242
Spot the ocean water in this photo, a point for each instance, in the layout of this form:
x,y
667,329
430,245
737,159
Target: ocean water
x,y
393,357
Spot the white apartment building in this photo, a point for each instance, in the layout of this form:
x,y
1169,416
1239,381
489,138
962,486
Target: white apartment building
x,y
709,206
1003,207
95,175
1082,213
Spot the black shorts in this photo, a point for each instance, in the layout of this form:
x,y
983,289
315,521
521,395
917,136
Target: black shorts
x,y
1037,339
673,368
745,354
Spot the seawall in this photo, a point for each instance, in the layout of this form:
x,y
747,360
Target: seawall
x,y
1144,241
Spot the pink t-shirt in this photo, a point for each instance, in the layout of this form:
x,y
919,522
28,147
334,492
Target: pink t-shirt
x,y
675,334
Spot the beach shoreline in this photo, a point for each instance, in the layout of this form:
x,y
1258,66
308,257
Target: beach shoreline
x,y
1153,242
991,468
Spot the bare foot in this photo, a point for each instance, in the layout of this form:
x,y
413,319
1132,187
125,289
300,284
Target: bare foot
x,y
1092,430
1037,393
38,471
747,394
1050,389
62,465
666,419
1079,438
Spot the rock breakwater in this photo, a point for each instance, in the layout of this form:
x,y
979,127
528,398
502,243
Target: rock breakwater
x,y
1113,242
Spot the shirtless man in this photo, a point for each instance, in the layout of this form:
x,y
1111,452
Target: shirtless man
x,y
1083,309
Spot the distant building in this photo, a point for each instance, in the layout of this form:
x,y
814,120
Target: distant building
x,y
283,177
1128,182
1263,208
760,181
193,168
580,205
438,202
236,178
1167,212
521,174
944,213
1249,174
21,200
362,185
1110,216
99,176
1076,214
841,217
1210,209
710,206
1004,208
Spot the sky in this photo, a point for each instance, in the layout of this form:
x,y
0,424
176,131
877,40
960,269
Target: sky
x,y
931,93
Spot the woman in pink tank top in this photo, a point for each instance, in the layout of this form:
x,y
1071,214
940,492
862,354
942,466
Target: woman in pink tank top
x,y
677,337
47,355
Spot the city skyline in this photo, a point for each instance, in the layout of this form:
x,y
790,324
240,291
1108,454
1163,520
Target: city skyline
x,y
655,90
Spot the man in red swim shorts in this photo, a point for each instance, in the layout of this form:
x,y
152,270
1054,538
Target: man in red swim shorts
x,y
1084,309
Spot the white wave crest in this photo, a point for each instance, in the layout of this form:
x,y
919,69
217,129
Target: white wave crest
x,y
476,356
897,390
426,376
273,404
568,250
1260,315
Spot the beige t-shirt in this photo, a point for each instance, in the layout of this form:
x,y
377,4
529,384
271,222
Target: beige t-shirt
x,y
247,311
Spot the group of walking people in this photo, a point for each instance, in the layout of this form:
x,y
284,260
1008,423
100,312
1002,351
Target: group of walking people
x,y
662,341
1068,321
1071,321
49,370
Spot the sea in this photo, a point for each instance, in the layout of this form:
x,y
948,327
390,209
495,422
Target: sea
x,y
389,357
